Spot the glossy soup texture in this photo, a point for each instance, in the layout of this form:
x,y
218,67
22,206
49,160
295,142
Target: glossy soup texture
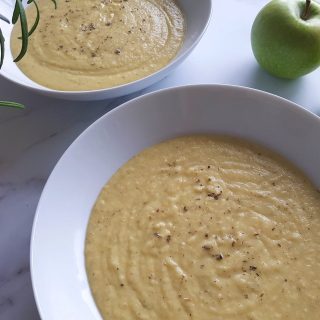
x,y
86,45
206,228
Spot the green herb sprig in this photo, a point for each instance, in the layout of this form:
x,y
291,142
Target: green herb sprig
x,y
19,12
10,104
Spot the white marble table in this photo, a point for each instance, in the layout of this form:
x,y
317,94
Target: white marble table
x,y
32,140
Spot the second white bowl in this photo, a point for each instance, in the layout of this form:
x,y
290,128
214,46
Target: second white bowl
x,y
197,17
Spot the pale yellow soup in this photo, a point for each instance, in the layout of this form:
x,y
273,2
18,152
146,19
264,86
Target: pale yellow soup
x,y
84,45
206,228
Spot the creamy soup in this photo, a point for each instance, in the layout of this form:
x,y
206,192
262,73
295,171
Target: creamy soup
x,y
206,228
100,43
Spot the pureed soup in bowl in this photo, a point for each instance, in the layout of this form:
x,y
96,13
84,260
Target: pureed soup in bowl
x,y
206,227
88,45
112,52
208,219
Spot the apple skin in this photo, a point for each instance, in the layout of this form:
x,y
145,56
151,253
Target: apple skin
x,y
283,43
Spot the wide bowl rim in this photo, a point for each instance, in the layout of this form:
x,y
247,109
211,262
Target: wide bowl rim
x,y
284,103
180,57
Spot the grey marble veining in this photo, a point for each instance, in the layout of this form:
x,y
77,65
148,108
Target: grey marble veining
x,y
32,140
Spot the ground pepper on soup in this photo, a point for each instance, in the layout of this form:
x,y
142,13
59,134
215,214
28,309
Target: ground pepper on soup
x,y
206,227
86,45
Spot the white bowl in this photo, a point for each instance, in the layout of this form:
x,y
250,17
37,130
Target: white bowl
x,y
197,18
57,247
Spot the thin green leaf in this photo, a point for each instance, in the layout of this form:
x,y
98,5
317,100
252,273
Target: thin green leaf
x,y
4,18
55,3
24,31
11,104
35,25
1,48
15,15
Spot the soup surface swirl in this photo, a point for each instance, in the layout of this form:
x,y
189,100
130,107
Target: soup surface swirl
x,y
85,45
206,227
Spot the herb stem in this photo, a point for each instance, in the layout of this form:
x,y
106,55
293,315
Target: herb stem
x,y
1,48
19,12
4,18
11,104
306,13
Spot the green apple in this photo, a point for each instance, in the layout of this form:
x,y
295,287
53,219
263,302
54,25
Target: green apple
x,y
285,37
